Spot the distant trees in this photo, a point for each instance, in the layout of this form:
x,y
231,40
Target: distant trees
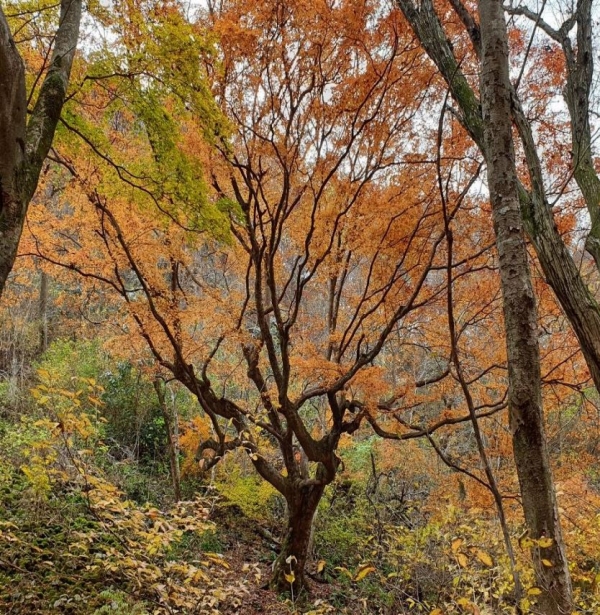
x,y
547,176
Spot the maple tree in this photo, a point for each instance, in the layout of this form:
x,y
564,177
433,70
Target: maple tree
x,y
307,268
320,206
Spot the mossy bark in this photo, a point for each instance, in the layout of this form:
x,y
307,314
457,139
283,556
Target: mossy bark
x,y
24,146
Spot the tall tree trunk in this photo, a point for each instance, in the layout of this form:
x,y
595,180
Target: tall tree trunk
x,y
520,315
288,570
172,443
25,145
43,312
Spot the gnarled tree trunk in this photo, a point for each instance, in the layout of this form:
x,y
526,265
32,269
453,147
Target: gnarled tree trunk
x,y
289,567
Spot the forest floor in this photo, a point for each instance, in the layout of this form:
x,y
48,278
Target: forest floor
x,y
249,554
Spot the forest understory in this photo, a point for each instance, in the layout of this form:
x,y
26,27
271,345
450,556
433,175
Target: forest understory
x,y
89,522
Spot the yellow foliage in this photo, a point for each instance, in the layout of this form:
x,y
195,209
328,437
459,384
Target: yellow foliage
x,y
484,558
196,431
123,540
249,492
363,572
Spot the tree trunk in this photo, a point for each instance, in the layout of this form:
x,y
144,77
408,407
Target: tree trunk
x,y
288,569
43,312
520,315
13,114
25,145
172,439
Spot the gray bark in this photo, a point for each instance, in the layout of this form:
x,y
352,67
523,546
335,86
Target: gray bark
x,y
531,455
520,316
558,265
25,145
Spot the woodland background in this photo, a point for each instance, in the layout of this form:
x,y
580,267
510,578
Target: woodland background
x,y
252,348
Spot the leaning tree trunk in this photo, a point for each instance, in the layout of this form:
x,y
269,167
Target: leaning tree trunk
x,y
525,398
25,145
289,567
558,265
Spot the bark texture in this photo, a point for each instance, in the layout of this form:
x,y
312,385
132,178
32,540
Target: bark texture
x,y
25,145
561,271
520,316
13,113
172,437
288,570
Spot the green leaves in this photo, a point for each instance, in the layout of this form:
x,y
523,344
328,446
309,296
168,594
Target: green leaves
x,y
144,110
